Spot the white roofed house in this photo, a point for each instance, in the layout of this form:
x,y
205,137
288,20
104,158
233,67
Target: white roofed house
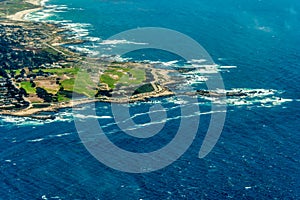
x,y
3,82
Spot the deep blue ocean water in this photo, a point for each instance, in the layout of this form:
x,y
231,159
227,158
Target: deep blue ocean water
x,y
257,156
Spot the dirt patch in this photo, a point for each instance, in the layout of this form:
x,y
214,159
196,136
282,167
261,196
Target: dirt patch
x,y
49,85
35,99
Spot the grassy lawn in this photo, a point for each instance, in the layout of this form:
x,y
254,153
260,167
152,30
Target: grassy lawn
x,y
17,71
50,90
112,76
138,76
68,84
123,76
108,80
84,84
27,86
62,98
60,71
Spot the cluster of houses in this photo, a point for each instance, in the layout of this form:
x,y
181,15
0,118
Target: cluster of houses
x,y
10,96
21,47
28,75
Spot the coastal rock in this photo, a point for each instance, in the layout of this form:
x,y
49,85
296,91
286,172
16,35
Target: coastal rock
x,y
207,93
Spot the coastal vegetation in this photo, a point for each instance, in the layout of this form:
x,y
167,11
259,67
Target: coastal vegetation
x,y
57,82
10,7
37,73
144,89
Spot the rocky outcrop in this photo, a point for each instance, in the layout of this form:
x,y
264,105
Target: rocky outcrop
x,y
240,93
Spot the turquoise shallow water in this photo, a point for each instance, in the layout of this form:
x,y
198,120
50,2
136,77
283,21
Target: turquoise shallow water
x,y
257,156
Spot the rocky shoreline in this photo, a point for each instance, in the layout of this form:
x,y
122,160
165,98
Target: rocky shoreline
x,y
38,75
29,46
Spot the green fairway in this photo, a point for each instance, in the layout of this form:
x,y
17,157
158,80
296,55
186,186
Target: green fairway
x,y
133,77
60,71
62,98
123,76
84,84
68,84
26,85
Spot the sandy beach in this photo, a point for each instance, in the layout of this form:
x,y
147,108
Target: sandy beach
x,y
158,76
34,2
19,16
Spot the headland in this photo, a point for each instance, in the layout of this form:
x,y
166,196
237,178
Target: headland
x,y
39,74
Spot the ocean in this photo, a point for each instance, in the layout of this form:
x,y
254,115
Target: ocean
x,y
256,46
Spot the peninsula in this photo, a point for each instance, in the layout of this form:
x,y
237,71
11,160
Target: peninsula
x,y
38,73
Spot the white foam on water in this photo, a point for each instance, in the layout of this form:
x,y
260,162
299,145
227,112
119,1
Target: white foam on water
x,y
77,30
203,69
254,97
112,58
162,63
221,59
55,197
48,137
115,42
228,67
196,79
20,121
93,39
237,102
43,2
264,28
60,135
66,116
84,50
81,116
172,63
38,16
195,61
36,140
139,126
46,12
169,63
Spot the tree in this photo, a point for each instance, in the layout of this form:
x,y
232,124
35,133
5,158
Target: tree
x,y
22,92
22,72
3,73
33,84
42,93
